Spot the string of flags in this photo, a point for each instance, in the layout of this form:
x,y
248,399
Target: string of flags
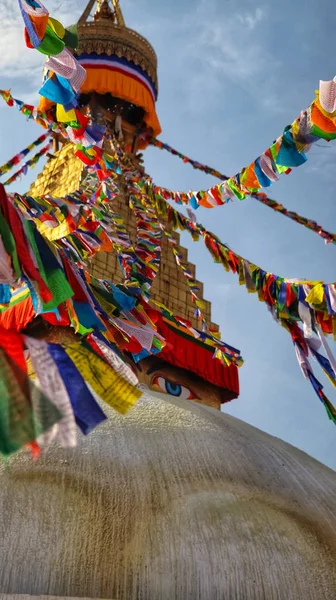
x,y
191,283
45,119
32,162
13,162
194,163
67,364
285,153
49,37
261,197
32,417
281,293
329,238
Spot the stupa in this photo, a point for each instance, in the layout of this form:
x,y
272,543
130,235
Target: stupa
x,y
172,499
120,91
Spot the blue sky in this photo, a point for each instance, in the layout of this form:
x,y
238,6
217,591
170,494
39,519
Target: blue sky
x,y
232,75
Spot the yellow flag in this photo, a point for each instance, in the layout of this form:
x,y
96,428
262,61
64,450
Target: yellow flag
x,y
107,383
333,383
200,304
316,295
295,132
64,116
53,233
108,307
241,273
225,359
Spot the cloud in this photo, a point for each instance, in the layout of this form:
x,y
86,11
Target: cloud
x,y
228,50
211,47
251,20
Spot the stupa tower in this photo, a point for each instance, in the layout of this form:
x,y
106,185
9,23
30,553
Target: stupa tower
x,y
120,89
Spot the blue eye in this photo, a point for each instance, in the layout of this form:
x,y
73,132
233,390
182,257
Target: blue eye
x,y
173,388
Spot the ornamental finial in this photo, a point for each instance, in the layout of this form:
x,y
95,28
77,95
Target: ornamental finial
x,y
104,9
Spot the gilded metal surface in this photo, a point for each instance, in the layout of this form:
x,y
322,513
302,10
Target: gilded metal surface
x,y
61,175
173,501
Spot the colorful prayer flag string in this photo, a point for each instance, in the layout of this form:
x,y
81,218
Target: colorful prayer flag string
x,y
29,164
18,157
288,151
330,238
197,165
259,196
29,111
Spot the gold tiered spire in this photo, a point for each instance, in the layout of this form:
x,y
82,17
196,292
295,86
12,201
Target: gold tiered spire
x,y
108,10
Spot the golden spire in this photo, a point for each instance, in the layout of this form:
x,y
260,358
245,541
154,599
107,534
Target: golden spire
x,y
119,15
104,11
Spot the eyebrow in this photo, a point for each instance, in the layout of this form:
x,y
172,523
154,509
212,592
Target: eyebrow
x,y
160,364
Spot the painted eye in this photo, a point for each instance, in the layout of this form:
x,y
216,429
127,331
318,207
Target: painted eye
x,y
174,389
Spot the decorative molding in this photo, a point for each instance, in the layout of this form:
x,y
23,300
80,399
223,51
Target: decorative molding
x,y
103,37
